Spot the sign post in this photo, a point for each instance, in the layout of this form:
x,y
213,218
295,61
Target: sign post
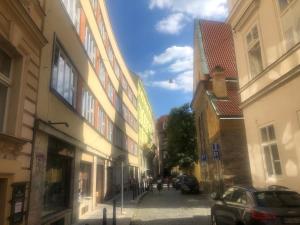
x,y
216,156
17,203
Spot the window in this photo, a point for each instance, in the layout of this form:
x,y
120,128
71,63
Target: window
x,y
5,67
109,130
89,45
110,55
73,9
3,96
88,103
239,197
102,121
270,149
227,195
101,26
130,94
283,4
94,4
290,21
254,52
124,83
117,70
102,73
277,199
118,104
110,92
64,76
85,179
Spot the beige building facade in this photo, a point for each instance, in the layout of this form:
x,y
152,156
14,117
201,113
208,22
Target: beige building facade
x,y
267,44
21,41
86,115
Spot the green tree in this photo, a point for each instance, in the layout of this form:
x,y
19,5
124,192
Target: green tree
x,y
181,138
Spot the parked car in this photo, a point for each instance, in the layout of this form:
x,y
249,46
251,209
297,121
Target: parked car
x,y
189,184
176,183
276,205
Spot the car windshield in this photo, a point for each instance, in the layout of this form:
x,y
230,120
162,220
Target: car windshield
x,y
277,199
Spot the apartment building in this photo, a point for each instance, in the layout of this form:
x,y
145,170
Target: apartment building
x,y
161,126
21,41
147,139
221,139
267,44
86,115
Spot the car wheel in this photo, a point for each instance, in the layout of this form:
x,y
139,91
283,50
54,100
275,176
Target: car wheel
x,y
213,220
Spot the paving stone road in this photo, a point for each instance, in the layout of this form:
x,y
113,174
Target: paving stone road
x,y
172,208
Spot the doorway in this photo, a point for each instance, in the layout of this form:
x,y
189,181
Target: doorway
x,y
3,189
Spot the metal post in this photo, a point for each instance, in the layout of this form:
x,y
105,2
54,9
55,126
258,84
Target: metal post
x,y
104,222
114,222
122,187
133,187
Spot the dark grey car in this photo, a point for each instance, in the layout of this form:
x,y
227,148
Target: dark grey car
x,y
251,206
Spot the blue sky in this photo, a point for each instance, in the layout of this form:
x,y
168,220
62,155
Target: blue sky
x,y
156,41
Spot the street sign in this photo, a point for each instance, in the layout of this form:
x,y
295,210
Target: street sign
x,y
216,151
203,157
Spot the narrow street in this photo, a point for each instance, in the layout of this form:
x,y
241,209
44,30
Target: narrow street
x,y
170,207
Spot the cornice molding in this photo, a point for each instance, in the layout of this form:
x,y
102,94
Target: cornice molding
x,y
27,22
241,13
276,84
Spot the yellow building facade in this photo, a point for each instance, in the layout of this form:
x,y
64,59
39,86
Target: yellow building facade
x,y
86,115
21,41
148,161
267,42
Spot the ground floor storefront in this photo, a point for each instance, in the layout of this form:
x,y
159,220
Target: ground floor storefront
x,y
70,179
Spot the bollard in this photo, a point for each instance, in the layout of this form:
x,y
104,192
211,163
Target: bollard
x,y
133,192
114,222
104,222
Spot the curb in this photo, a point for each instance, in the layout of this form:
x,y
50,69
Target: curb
x,y
139,198
137,202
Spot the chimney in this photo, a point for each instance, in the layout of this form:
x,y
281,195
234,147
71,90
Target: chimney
x,y
219,82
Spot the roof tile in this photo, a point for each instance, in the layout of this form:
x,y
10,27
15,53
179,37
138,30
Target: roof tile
x,y
219,46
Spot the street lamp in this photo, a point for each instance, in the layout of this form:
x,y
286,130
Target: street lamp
x,y
122,159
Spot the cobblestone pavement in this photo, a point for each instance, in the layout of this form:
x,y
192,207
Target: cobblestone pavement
x,y
172,208
95,217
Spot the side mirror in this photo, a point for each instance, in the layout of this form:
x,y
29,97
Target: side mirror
x,y
215,196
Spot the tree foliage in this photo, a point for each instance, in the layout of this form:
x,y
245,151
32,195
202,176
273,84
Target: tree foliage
x,y
180,132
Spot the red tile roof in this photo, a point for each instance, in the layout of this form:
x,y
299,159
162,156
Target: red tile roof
x,y
219,47
228,107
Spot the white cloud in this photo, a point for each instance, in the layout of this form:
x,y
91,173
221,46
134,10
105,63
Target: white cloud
x,y
172,24
178,58
209,9
147,74
182,82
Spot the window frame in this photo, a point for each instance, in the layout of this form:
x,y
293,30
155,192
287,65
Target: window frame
x,y
6,81
268,143
281,14
249,47
57,44
283,11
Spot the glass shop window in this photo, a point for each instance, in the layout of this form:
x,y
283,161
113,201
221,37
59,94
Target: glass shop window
x,y
58,177
85,179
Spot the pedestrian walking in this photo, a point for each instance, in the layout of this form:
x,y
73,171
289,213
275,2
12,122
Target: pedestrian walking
x,y
159,184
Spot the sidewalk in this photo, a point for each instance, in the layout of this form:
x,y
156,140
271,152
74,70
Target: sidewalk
x,y
95,217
